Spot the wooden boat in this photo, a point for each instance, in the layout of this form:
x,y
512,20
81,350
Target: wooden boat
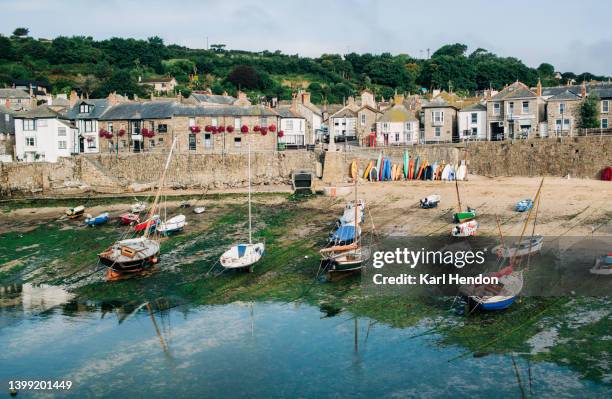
x,y
466,229
242,256
173,225
603,265
75,212
129,218
138,207
524,205
135,254
461,217
345,234
199,209
348,260
100,219
431,201
150,224
526,247
499,296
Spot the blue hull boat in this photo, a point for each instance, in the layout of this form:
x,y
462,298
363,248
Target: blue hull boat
x,y
500,305
524,205
100,219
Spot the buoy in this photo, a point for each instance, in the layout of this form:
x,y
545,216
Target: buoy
x,y
13,392
154,260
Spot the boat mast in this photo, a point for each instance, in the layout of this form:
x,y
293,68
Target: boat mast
x,y
159,189
250,234
356,206
458,198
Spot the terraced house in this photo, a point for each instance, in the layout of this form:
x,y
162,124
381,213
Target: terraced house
x,y
516,112
440,121
397,125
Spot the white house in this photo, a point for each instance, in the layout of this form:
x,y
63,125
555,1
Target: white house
x,y
43,135
293,127
343,123
473,122
397,125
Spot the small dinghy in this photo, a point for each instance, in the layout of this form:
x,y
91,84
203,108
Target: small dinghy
x,y
524,205
198,209
431,201
242,256
348,216
496,296
172,225
461,217
603,265
129,218
100,219
130,256
138,207
75,212
150,223
465,229
526,247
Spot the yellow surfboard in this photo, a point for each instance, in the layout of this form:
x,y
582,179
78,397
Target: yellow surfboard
x,y
354,170
368,168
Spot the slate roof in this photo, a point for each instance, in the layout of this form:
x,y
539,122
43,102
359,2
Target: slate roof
x,y
603,89
14,93
168,109
438,102
397,113
566,95
214,98
41,112
345,112
474,107
515,90
231,110
99,106
285,112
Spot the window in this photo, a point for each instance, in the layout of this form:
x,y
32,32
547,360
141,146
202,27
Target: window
x,y
604,123
110,127
152,143
438,131
152,125
41,123
496,108
264,121
214,121
160,140
558,124
61,131
6,117
30,142
511,107
397,135
191,122
605,106
474,117
192,142
91,143
89,125
84,109
561,108
207,140
123,143
408,126
363,119
525,107
62,145
289,124
237,123
385,127
474,131
162,128
29,124
437,117
237,142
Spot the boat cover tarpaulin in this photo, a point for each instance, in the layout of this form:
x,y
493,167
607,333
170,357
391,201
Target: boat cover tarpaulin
x,y
344,233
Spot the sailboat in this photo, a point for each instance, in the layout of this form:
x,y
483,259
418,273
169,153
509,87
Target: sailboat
x,y
347,254
242,256
467,226
135,254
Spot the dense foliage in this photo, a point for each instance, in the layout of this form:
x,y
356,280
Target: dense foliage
x,y
96,67
589,112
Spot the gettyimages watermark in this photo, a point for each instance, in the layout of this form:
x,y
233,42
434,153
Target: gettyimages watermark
x,y
433,266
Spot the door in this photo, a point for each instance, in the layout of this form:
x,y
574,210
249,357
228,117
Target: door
x,y
81,144
192,142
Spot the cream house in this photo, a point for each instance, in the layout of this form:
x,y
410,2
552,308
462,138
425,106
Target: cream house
x,y
397,125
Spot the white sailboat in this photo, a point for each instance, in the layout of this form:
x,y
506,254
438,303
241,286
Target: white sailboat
x,y
244,255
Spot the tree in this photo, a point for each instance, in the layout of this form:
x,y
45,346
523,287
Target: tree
x,y
244,77
6,48
21,32
453,50
122,82
546,70
589,112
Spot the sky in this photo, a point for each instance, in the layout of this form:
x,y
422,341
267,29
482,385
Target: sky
x,y
572,36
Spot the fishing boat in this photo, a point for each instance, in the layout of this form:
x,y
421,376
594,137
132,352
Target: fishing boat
x,y
138,207
603,265
133,255
129,218
527,246
465,229
461,217
75,212
173,225
198,210
242,256
431,201
348,216
495,296
345,234
148,225
100,219
524,205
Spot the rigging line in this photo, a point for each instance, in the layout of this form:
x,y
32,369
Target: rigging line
x,y
518,377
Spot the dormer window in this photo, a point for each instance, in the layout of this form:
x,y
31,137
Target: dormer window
x,y
84,108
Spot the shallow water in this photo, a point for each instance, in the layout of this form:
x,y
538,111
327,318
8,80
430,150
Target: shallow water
x,y
258,350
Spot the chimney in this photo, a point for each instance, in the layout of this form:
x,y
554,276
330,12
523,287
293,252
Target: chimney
x,y
398,99
112,99
31,91
305,97
73,98
241,95
351,101
7,104
583,91
539,88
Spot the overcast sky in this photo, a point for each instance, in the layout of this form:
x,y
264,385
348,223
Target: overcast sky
x,y
573,36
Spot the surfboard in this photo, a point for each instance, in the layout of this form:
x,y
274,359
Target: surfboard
x,y
381,170
354,169
445,172
410,168
393,172
387,170
421,169
434,169
461,172
406,164
373,174
366,174
379,162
